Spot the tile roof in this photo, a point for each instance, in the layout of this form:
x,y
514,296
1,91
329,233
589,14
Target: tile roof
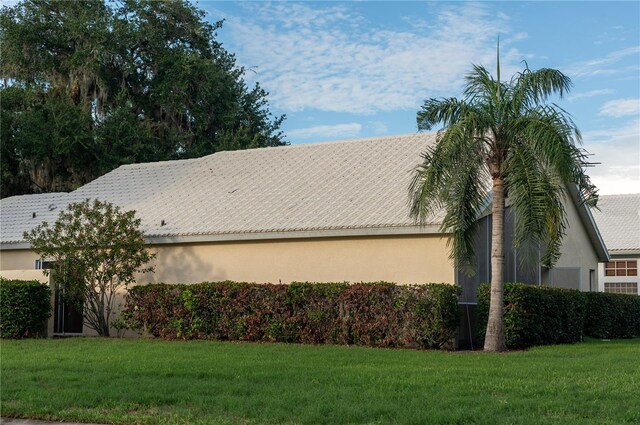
x,y
354,184
22,213
619,221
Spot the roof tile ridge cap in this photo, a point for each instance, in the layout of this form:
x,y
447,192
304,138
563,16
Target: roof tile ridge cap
x,y
367,139
330,142
33,195
157,163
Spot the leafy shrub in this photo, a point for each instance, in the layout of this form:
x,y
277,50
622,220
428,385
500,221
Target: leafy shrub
x,y
97,249
120,325
316,312
374,314
612,315
25,306
536,315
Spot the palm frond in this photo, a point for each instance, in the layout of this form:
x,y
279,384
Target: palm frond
x,y
531,88
480,86
453,176
536,195
444,111
553,137
465,202
426,186
433,176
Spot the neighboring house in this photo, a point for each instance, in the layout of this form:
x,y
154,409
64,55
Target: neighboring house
x,y
618,219
320,212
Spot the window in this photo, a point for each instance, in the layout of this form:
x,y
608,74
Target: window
x,y
43,264
621,268
621,287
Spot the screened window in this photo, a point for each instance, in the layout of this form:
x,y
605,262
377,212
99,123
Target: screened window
x,y
621,268
43,264
621,287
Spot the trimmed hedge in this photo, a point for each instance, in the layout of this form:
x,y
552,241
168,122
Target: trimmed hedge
x,y
539,315
612,315
536,315
25,306
373,314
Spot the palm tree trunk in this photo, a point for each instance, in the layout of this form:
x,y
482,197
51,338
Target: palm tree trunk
x,y
494,337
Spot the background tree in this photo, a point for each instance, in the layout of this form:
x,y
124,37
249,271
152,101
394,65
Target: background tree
x,y
96,250
502,138
90,85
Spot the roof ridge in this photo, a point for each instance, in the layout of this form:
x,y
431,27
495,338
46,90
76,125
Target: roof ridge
x,y
362,139
330,142
160,163
26,195
292,146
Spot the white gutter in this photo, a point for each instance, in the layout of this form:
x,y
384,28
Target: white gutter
x,y
256,236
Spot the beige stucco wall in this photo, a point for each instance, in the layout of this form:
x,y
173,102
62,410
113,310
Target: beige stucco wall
x,y
400,259
27,274
17,259
577,250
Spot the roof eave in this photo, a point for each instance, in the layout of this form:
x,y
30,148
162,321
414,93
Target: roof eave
x,y
431,229
618,253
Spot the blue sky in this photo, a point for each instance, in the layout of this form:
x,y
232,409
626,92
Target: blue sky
x,y
342,70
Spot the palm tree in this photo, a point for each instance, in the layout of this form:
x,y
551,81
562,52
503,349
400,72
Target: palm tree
x,y
503,138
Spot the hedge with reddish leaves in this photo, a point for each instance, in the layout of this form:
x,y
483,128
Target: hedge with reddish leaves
x,y
373,314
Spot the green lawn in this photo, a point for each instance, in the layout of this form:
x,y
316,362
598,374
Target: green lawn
x,y
133,381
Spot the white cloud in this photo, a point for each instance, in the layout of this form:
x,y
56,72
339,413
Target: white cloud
x,y
617,150
590,93
416,23
298,16
378,127
338,131
602,66
519,36
620,108
331,59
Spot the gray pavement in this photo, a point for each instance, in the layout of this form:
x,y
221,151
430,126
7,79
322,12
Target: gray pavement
x,y
13,421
